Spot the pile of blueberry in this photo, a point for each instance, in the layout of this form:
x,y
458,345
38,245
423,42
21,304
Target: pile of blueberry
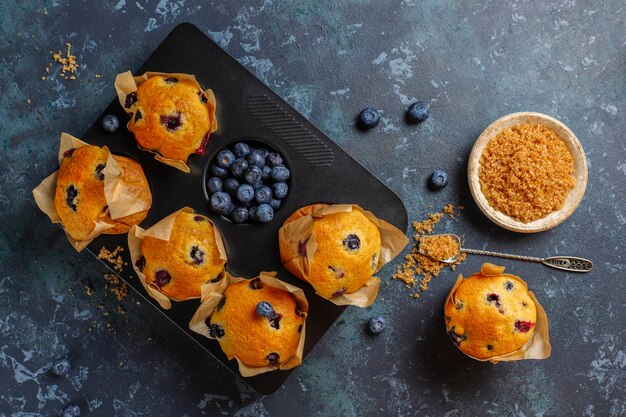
x,y
247,184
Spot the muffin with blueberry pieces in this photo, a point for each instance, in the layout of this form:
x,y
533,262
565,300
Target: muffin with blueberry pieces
x,y
491,314
337,249
178,256
259,322
170,114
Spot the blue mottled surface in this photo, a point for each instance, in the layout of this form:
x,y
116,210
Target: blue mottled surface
x,y
473,62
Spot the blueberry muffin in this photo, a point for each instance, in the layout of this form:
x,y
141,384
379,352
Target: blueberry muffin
x,y
79,196
172,117
178,267
346,256
258,324
490,314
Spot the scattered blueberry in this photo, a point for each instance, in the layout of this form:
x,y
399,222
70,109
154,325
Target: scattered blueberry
x,y
280,189
231,185
368,118
273,159
214,185
280,173
376,325
219,172
253,174
220,202
71,410
240,214
417,112
239,167
110,123
263,195
438,179
60,367
245,193
225,158
256,158
265,213
264,309
241,149
275,203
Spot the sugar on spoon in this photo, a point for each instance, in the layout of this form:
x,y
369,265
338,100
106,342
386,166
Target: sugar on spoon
x,y
566,263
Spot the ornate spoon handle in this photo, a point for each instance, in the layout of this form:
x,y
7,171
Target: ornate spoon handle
x,y
502,255
566,263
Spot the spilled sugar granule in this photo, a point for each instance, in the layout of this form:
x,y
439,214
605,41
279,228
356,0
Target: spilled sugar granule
x,y
114,258
68,63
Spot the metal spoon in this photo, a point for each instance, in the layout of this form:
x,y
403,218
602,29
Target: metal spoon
x,y
566,263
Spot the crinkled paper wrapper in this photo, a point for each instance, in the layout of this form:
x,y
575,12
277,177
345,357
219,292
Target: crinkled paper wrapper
x,y
393,242
124,198
538,347
162,230
212,296
126,83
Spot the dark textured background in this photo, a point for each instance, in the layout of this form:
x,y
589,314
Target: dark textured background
x,y
471,62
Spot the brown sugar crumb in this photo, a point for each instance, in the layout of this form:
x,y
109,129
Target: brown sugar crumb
x,y
526,172
117,287
114,258
68,63
418,270
440,247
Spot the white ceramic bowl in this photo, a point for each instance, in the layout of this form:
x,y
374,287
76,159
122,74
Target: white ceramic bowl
x,y
572,200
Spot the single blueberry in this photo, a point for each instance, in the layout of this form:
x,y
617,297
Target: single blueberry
x,y
161,278
225,158
417,112
171,80
274,159
239,167
264,152
263,195
241,149
197,255
368,118
240,215
172,121
231,207
230,186
253,174
252,211
438,179
99,173
256,158
203,97
267,173
352,242
281,190
280,173
219,172
220,203
273,358
245,193
214,185
275,203
376,325
216,331
60,367
110,123
71,410
70,194
265,213
130,100
264,309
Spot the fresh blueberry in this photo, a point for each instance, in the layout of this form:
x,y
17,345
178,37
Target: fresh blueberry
x,y
274,159
264,152
265,213
71,410
267,173
417,112
264,309
231,208
263,195
219,172
220,202
275,203
368,118
240,215
239,167
280,173
256,158
214,185
60,367
231,185
253,174
245,193
376,325
438,180
241,149
110,123
225,159
281,190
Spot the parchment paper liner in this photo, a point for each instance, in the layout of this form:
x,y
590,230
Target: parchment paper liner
x,y
162,230
212,296
538,346
124,198
126,83
290,234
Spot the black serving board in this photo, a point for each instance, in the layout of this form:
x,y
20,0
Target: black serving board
x,y
246,110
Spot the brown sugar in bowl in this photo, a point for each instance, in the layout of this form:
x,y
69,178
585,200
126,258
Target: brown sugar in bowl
x,y
575,195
